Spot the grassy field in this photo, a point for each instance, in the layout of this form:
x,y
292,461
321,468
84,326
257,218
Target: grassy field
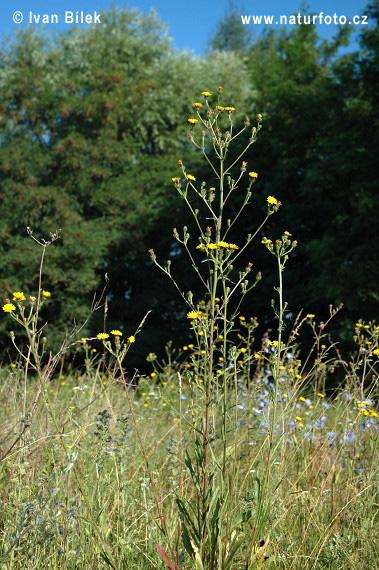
x,y
80,497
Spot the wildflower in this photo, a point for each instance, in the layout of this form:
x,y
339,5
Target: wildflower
x,y
190,177
257,356
358,325
298,418
287,234
192,315
32,298
18,296
266,241
116,332
259,117
193,121
222,244
176,179
320,395
230,109
243,350
376,352
253,174
211,246
197,105
302,399
153,374
219,108
233,246
298,376
310,316
46,293
241,318
272,200
200,246
102,336
8,308
206,94
131,339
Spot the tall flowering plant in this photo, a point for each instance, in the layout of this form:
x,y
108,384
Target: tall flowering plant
x,y
211,531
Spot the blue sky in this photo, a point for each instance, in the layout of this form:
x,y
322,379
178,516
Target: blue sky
x,y
190,23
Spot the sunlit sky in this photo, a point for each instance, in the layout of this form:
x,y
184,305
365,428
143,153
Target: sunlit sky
x,y
190,23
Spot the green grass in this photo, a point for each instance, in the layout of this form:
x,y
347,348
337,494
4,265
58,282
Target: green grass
x,y
321,491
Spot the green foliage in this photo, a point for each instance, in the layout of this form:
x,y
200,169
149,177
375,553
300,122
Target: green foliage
x,y
318,154
91,130
229,33
90,122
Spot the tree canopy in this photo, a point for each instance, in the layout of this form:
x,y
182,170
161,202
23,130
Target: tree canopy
x,y
93,123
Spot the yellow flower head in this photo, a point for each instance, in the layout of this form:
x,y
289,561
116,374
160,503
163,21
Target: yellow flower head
x,y
233,246
190,177
46,293
192,315
102,336
243,350
176,179
320,395
272,200
211,246
376,352
131,339
257,356
116,332
206,94
32,298
287,234
197,105
193,121
230,109
18,296
310,316
219,108
222,244
9,308
253,174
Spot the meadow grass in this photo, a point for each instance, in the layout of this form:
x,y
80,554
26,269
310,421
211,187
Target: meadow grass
x,y
229,455
322,488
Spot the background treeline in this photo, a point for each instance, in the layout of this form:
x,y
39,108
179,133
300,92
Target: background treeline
x,y
93,122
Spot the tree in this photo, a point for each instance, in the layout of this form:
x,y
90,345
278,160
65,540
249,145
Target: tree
x,y
230,33
93,123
